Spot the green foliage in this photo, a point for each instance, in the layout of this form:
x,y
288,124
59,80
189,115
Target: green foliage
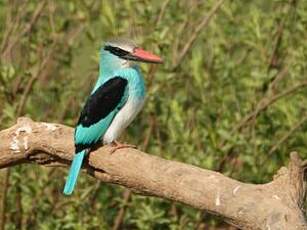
x,y
250,52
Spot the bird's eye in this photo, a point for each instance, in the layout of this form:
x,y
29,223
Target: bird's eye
x,y
120,52
116,51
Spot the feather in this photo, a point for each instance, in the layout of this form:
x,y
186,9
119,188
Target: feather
x,y
74,172
117,97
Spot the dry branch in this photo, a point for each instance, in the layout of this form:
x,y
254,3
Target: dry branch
x,y
275,205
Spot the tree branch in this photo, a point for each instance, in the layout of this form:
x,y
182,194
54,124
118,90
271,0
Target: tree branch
x,y
266,102
275,205
203,23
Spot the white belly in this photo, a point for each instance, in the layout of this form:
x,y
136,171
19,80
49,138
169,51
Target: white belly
x,y
122,119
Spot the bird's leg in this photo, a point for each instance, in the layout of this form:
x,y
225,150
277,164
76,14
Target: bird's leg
x,y
117,145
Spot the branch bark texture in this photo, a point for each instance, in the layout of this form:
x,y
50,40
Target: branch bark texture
x,y
275,205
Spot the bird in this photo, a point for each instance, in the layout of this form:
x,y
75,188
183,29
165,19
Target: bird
x,y
116,99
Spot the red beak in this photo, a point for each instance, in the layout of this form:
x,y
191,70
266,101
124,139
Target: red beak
x,y
146,56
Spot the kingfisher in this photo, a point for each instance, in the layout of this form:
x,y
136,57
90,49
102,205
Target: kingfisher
x,y
116,99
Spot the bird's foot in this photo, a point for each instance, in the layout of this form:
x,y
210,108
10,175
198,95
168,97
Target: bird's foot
x,y
117,145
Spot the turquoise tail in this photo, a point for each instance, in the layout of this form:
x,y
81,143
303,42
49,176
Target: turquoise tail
x,y
73,172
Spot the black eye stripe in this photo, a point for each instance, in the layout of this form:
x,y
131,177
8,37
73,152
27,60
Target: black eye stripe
x,y
116,51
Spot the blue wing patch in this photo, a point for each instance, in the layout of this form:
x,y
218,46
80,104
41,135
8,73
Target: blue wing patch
x,y
99,111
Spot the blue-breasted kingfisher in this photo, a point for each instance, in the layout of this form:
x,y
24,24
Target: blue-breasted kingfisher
x,y
116,99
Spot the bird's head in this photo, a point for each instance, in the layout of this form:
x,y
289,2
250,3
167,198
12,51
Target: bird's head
x,y
125,52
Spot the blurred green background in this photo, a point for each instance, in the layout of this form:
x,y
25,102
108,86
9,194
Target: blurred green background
x,y
235,103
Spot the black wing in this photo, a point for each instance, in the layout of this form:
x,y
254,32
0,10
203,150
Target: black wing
x,y
103,101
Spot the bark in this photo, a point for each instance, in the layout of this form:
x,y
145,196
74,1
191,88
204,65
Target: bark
x,y
275,205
